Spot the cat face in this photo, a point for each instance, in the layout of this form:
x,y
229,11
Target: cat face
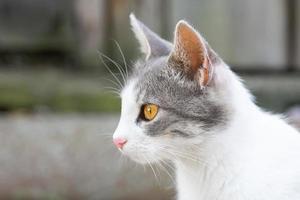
x,y
171,103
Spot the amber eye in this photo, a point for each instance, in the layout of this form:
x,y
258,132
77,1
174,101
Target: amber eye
x,y
149,111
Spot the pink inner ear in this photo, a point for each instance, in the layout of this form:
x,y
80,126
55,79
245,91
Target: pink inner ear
x,y
189,47
205,72
191,52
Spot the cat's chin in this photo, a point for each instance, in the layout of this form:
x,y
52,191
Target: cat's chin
x,y
141,159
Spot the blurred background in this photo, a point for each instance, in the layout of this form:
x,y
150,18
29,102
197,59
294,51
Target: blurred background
x,y
57,116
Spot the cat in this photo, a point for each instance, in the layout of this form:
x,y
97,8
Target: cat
x,y
183,104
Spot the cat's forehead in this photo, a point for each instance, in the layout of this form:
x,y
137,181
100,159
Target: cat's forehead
x,y
150,67
154,81
148,74
129,92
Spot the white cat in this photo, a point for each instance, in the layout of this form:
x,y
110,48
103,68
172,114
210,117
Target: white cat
x,y
183,103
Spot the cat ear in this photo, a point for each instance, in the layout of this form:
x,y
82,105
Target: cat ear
x,y
192,54
151,44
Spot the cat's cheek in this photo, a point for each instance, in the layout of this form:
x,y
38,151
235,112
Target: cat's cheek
x,y
136,155
138,159
141,149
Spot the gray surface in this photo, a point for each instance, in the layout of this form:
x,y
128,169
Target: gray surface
x,y
70,156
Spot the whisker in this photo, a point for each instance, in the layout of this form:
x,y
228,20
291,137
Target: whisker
x,y
112,92
157,170
123,57
183,155
111,89
169,165
152,169
122,159
113,82
117,66
161,164
105,65
120,69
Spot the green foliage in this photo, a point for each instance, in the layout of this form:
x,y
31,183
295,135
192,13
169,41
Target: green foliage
x,y
84,103
54,91
15,98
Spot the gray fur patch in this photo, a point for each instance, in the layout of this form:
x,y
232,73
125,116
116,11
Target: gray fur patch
x,y
183,103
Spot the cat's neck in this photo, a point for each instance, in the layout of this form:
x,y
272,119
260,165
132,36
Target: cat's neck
x,y
230,85
218,163
217,155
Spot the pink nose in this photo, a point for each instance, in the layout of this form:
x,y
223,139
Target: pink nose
x,y
119,142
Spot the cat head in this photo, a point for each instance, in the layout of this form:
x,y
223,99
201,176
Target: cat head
x,y
175,98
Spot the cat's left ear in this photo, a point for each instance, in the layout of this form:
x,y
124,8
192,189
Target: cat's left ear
x,y
151,44
192,55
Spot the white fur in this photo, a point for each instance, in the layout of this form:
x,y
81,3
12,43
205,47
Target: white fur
x,y
140,35
256,158
138,146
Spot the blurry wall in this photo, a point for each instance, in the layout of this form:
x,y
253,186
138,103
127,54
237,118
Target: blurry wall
x,y
245,33
35,27
260,39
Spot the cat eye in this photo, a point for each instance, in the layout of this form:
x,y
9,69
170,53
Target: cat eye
x,y
149,112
